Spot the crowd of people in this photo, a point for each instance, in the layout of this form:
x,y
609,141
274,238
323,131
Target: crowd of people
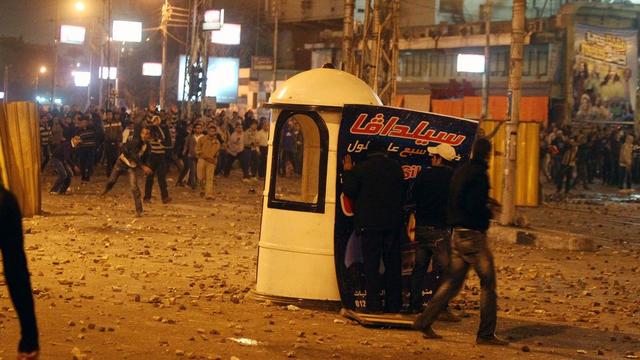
x,y
582,156
200,147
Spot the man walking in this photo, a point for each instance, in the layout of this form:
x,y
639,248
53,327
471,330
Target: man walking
x,y
430,193
87,149
207,151
376,188
62,162
159,143
469,214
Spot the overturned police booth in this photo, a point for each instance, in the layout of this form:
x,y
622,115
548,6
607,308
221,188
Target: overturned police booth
x,y
309,253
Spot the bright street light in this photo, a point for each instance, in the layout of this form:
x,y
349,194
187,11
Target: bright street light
x,y
80,6
43,69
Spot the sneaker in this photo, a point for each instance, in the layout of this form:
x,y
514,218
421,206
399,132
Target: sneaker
x,y
494,341
166,201
448,316
54,193
245,180
138,213
428,333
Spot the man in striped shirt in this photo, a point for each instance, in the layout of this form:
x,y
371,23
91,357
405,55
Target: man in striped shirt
x,y
112,140
159,143
45,140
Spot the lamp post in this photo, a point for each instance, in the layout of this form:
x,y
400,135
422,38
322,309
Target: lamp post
x,y
41,71
79,6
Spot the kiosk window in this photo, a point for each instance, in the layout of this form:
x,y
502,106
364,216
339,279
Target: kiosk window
x,y
299,167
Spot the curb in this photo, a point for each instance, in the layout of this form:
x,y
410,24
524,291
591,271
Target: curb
x,y
544,238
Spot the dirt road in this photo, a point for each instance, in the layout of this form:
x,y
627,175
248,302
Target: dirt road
x,y
172,284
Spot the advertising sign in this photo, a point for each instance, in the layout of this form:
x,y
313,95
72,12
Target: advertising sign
x,y
127,31
605,74
70,34
222,79
407,135
152,69
213,20
229,34
262,63
110,73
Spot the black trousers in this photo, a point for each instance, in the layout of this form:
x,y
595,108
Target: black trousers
x,y
111,151
469,249
385,245
86,161
431,243
158,165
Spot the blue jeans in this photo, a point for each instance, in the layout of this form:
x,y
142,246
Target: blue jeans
x,y
64,173
469,250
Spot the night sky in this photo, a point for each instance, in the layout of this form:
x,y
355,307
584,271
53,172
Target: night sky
x,y
33,19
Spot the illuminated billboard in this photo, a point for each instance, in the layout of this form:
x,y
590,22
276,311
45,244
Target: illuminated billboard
x,y
110,74
222,79
152,69
213,20
81,78
127,31
470,63
70,34
229,34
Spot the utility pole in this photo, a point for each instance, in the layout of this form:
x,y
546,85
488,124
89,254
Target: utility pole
x,y
5,86
487,60
110,26
378,48
347,37
56,40
511,145
166,13
276,14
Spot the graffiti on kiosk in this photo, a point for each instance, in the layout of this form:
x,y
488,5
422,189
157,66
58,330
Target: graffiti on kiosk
x,y
422,135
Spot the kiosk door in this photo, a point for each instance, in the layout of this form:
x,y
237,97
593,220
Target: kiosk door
x,y
407,136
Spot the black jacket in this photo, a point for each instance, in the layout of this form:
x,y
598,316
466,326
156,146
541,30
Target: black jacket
x,y
376,187
16,272
136,151
431,194
63,152
469,197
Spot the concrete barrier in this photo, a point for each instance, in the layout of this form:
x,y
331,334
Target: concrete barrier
x,y
544,238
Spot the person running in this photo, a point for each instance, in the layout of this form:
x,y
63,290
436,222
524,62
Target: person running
x,y
16,274
134,155
468,213
189,153
207,151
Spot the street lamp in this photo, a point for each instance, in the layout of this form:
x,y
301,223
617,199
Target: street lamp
x,y
79,5
41,70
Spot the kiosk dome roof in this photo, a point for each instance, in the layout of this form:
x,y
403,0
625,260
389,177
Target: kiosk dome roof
x,y
324,87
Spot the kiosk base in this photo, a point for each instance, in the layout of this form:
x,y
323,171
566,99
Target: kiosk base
x,y
326,305
394,320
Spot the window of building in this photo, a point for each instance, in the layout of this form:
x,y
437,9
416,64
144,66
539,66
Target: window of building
x,y
299,164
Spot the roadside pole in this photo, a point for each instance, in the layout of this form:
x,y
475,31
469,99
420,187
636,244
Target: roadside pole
x,y
514,93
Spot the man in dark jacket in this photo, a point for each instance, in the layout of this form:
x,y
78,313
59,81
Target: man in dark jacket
x,y
112,139
469,214
159,142
63,165
16,274
376,188
87,149
430,193
133,156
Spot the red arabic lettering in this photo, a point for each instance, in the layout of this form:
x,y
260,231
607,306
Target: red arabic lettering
x,y
378,126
